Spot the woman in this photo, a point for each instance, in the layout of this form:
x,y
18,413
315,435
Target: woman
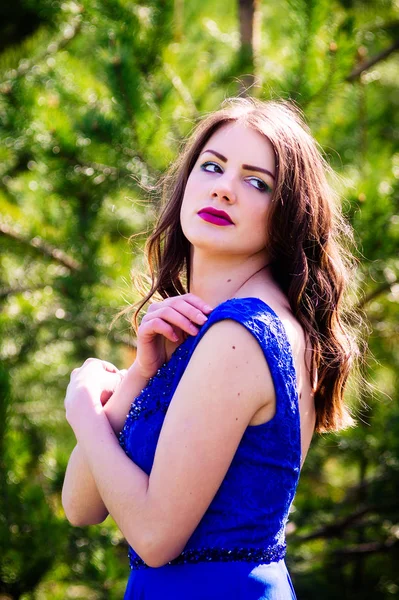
x,y
236,367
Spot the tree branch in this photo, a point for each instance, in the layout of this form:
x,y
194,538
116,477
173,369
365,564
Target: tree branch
x,y
42,246
181,89
384,287
5,292
117,65
365,65
71,29
31,341
246,13
335,529
368,548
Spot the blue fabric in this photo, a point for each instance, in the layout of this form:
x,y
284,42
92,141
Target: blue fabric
x,y
212,581
240,541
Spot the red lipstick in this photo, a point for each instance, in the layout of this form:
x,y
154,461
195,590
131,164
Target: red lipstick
x,y
217,217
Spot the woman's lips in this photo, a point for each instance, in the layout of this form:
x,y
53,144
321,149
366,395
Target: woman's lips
x,y
214,219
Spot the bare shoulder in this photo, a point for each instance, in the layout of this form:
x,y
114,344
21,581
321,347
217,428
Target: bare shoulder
x,y
233,350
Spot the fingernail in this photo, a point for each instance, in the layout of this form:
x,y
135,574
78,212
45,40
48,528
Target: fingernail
x,y
207,307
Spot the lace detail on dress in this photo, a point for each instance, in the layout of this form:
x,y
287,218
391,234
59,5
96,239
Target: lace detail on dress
x,y
144,404
260,555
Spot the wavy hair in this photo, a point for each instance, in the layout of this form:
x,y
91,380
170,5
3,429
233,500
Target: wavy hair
x,y
306,242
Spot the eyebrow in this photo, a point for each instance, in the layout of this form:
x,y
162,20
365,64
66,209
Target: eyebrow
x,y
246,167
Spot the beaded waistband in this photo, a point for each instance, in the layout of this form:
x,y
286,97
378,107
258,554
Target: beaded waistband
x,y
259,555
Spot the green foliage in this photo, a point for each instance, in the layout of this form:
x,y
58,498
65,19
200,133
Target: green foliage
x,y
23,496
95,97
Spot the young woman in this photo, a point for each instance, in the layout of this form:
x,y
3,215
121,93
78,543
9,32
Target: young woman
x,y
245,356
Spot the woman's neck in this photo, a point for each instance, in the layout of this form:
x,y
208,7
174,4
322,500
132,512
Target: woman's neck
x,y
215,281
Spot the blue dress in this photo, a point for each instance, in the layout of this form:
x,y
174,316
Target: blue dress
x,y
237,550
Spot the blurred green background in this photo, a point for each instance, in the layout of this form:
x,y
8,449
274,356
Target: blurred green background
x,y
95,97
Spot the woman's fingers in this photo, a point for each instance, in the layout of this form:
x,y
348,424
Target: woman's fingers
x,y
171,319
156,325
179,313
107,368
174,317
107,365
98,376
187,302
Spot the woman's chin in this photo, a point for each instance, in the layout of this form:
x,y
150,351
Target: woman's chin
x,y
210,244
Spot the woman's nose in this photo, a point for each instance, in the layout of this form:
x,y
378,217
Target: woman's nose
x,y
223,190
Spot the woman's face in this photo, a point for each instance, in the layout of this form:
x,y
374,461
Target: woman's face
x,y
234,174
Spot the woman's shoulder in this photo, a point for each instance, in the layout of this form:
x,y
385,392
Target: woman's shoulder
x,y
260,320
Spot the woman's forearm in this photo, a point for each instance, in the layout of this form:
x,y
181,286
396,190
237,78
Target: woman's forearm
x,y
81,499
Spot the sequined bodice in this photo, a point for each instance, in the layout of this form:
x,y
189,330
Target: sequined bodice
x,y
246,519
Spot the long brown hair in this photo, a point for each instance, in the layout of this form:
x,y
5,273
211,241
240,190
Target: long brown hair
x,y
305,242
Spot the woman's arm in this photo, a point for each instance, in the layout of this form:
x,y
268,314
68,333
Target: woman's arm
x,y
206,419
83,504
81,500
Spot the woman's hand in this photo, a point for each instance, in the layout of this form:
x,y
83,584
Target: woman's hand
x,y
90,385
170,319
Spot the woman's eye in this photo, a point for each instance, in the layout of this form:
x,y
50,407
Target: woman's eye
x,y
259,184
211,167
